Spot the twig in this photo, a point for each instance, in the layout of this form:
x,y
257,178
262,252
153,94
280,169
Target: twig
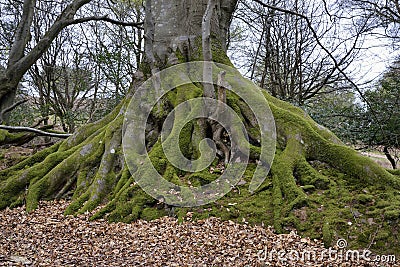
x,y
374,235
330,55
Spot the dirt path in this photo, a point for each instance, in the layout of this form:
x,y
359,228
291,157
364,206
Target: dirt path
x,y
47,238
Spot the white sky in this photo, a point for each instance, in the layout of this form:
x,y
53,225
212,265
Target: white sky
x,y
378,57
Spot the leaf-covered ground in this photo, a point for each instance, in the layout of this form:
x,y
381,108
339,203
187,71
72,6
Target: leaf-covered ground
x,y
46,237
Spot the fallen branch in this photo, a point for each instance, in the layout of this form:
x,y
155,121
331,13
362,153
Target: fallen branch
x,y
33,130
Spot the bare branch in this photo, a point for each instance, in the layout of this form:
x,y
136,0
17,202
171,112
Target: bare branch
x,y
334,60
107,19
21,64
22,35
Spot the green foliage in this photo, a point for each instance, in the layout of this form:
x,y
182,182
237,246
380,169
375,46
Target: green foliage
x,y
24,115
376,123
382,118
339,112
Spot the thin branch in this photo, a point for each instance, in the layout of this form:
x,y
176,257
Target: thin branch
x,y
207,53
33,130
107,19
21,64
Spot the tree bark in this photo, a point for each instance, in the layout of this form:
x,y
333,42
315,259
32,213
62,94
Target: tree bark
x,y
179,23
390,158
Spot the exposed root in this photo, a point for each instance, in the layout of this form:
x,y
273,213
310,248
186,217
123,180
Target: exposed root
x,y
314,177
286,193
7,138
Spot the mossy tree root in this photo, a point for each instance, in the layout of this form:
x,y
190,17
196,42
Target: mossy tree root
x,y
285,188
52,172
90,165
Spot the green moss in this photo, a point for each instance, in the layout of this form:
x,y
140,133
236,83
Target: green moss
x,y
9,138
365,199
171,175
308,188
392,214
34,194
16,184
29,162
327,234
123,181
158,158
185,140
316,184
187,92
382,236
152,213
394,172
128,211
76,205
309,176
218,54
202,178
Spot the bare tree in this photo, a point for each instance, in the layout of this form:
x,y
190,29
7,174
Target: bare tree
x,y
379,13
23,53
20,60
87,69
294,42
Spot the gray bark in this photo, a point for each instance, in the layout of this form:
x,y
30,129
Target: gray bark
x,y
177,23
207,51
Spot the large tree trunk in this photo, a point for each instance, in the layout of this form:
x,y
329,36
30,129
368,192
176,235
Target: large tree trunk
x,y
316,184
179,23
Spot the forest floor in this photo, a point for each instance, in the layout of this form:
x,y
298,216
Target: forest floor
x,y
46,237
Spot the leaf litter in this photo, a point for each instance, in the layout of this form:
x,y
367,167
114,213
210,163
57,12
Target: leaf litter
x,y
46,237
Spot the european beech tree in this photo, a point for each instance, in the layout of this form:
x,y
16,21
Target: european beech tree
x,y
316,185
